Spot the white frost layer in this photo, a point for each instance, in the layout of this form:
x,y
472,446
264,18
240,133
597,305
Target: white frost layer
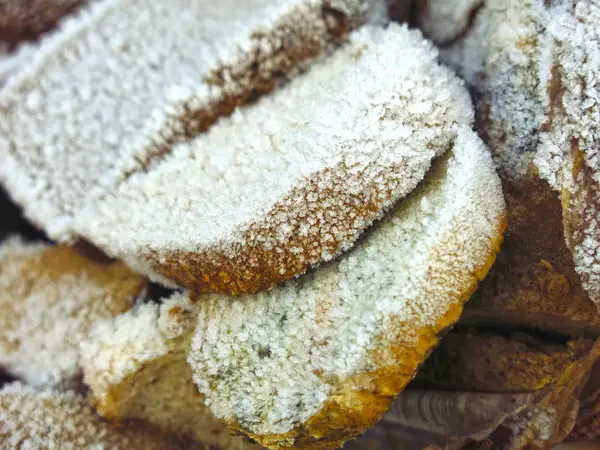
x,y
104,93
380,107
43,420
574,50
446,20
501,58
46,314
270,361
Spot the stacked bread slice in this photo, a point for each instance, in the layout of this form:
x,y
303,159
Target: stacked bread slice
x,y
310,178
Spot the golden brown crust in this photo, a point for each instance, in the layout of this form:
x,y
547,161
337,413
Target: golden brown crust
x,y
364,398
226,272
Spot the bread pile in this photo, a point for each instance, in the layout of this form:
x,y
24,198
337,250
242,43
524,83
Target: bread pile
x,y
268,223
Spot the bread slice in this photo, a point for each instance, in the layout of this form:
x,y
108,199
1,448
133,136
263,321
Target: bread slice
x,y
570,148
40,420
50,297
136,368
317,361
293,180
148,74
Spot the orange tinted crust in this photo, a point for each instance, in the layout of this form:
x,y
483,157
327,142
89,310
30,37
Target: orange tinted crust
x,y
363,398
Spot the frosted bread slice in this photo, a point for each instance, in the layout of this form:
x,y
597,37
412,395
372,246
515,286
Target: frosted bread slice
x,y
293,180
317,361
123,80
50,297
41,420
533,66
136,368
569,153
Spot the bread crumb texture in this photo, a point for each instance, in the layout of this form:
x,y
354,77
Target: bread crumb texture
x,y
317,361
144,85
569,155
47,420
50,297
136,368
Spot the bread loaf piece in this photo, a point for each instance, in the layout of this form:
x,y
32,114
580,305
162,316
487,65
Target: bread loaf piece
x,y
41,420
136,368
50,297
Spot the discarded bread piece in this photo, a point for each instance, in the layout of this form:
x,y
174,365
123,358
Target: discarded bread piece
x,y
50,297
472,361
317,361
144,86
40,420
136,368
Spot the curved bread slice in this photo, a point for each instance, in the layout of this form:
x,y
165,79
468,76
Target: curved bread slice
x,y
50,297
124,80
317,361
293,180
32,420
569,155
136,368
